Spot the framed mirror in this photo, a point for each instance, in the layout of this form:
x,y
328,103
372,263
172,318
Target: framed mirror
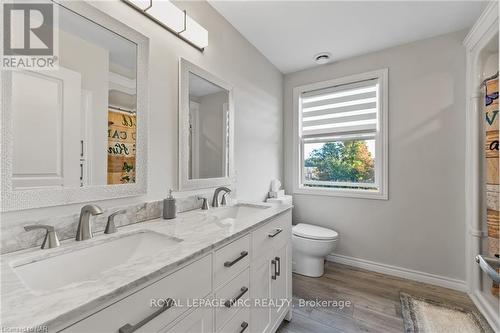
x,y
206,129
77,132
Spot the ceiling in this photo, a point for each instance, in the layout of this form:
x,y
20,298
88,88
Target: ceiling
x,y
199,87
290,33
121,50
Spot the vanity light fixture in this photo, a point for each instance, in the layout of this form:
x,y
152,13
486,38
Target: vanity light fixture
x,y
173,19
322,58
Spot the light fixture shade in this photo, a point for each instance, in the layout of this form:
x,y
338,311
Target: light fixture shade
x,y
168,14
195,33
173,19
141,4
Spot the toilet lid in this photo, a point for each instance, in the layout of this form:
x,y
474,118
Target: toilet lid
x,y
314,232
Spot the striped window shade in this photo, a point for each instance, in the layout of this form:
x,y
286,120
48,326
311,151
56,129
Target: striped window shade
x,y
346,110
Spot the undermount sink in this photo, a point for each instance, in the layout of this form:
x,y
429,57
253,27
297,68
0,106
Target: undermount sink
x,y
89,263
238,211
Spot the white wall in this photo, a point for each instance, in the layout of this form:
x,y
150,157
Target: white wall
x,y
421,226
257,96
212,137
92,62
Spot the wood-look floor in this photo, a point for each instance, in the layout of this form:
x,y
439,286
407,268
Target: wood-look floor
x,y
374,297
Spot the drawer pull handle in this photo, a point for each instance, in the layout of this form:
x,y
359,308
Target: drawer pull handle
x,y
231,263
230,302
127,328
278,266
244,326
273,262
275,232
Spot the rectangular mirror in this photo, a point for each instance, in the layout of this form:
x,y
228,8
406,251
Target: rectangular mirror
x,y
75,126
80,126
205,129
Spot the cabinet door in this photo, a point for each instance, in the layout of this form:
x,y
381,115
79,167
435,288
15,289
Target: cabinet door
x,y
260,292
280,286
198,321
46,133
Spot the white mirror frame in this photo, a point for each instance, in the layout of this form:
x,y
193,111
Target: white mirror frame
x,y
55,196
186,67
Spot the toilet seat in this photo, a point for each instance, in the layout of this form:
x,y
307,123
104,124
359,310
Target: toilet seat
x,y
314,232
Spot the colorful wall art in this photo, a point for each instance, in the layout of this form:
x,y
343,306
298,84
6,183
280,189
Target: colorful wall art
x,y
492,176
121,147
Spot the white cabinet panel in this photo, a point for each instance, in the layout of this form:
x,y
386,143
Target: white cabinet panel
x,y
272,236
240,323
236,289
46,128
280,285
261,290
198,321
231,259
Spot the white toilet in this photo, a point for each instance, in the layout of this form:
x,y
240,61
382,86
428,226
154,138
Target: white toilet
x,y
310,245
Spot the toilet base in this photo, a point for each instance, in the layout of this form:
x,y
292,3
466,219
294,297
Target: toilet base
x,y
308,266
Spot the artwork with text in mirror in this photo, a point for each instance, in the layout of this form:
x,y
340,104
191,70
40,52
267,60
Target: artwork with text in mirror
x,y
75,126
208,129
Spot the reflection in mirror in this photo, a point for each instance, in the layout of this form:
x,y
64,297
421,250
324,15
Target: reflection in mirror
x,y
76,126
208,129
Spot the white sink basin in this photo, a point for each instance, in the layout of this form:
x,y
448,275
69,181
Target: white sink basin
x,y
238,211
89,263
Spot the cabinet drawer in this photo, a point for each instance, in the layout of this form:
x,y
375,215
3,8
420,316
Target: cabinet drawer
x,y
199,321
192,281
231,259
236,289
239,323
272,236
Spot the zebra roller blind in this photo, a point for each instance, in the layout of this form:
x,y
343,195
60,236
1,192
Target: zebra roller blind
x,y
341,110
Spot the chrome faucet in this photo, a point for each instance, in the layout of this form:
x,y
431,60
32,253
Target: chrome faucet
x,y
215,200
84,230
50,241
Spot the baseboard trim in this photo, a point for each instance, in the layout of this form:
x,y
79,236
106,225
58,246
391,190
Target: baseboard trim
x,y
486,310
401,272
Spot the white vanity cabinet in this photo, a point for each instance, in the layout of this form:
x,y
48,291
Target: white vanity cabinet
x,y
192,281
251,275
271,273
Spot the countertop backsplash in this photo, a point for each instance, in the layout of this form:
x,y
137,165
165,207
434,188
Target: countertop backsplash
x,y
14,238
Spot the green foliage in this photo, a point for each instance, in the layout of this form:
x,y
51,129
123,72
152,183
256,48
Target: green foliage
x,y
127,167
348,161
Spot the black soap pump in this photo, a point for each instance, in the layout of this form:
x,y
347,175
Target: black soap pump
x,y
169,207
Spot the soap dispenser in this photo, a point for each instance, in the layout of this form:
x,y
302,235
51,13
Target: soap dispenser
x,y
169,208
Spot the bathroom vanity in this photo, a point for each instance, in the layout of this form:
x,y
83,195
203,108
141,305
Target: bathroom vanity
x,y
222,270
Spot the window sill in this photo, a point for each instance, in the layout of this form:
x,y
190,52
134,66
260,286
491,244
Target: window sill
x,y
347,193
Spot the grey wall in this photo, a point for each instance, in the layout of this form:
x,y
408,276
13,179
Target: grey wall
x,y
212,136
421,226
258,88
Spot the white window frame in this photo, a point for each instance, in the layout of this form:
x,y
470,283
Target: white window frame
x,y
381,139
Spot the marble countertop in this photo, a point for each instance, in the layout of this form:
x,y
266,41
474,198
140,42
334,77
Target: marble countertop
x,y
199,232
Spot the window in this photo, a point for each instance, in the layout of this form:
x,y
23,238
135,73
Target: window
x,y
341,136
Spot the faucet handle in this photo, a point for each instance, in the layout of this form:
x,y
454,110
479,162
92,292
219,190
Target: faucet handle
x,y
51,240
204,205
110,226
